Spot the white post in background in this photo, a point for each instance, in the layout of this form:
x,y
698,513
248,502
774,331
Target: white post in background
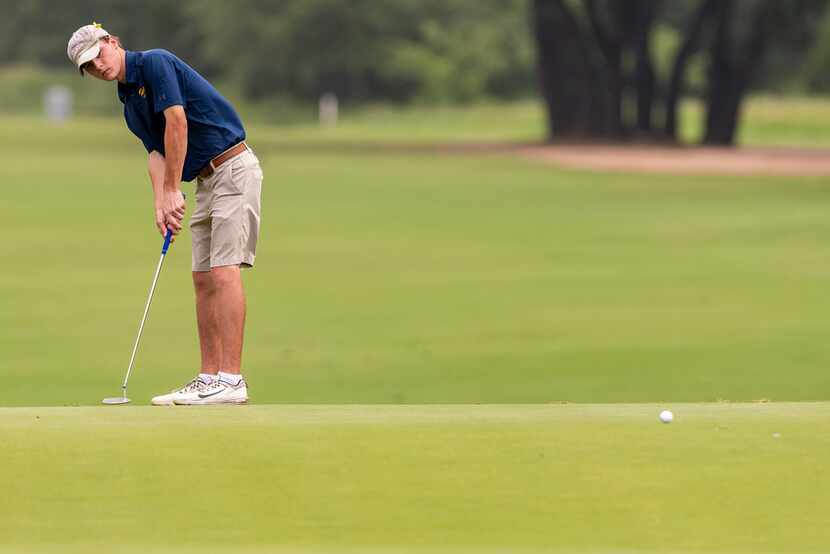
x,y
57,102
328,109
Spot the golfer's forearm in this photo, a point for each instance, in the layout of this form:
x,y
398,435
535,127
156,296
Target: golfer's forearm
x,y
175,148
156,168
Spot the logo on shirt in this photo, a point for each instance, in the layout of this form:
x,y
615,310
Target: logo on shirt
x,y
142,93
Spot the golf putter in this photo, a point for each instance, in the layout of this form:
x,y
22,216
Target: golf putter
x,y
115,400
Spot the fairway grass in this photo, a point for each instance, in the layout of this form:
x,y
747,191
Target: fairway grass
x,y
419,278
724,478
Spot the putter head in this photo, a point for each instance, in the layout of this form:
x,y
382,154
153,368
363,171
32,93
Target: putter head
x,y
116,400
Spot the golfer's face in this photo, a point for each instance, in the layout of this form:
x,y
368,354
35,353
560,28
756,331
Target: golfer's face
x,y
106,65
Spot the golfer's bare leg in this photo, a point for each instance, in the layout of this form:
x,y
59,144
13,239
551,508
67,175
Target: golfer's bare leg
x,y
230,315
206,317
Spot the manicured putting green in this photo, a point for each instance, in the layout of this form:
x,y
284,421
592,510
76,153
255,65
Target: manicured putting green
x,y
534,478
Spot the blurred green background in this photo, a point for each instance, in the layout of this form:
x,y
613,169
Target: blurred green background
x,y
409,258
283,54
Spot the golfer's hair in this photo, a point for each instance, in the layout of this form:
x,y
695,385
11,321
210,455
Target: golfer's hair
x,y
117,39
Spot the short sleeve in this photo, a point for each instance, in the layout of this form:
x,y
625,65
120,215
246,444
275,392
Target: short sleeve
x,y
139,128
163,81
148,145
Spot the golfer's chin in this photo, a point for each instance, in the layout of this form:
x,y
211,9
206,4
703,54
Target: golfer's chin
x,y
107,75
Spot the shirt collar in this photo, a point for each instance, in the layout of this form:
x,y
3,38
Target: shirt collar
x,y
132,75
132,60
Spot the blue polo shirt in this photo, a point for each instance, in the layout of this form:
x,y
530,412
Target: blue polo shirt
x,y
156,80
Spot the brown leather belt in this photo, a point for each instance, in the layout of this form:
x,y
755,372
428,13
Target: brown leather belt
x,y
231,152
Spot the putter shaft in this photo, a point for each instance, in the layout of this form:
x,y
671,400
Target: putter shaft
x,y
143,319
167,240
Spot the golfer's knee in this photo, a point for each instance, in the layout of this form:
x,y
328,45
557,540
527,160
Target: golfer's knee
x,y
203,282
225,275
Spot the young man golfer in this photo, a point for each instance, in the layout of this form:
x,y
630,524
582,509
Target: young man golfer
x,y
191,132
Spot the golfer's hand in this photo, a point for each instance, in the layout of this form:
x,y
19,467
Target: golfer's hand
x,y
172,208
160,221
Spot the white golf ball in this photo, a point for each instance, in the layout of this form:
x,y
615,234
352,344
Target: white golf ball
x,y
666,416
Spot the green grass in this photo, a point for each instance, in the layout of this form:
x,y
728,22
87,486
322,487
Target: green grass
x,y
487,122
765,121
771,121
423,278
782,121
22,88
594,479
391,277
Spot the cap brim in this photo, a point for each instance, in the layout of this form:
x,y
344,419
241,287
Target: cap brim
x,y
88,55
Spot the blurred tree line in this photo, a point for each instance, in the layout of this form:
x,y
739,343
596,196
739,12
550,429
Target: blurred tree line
x,y
607,69
362,50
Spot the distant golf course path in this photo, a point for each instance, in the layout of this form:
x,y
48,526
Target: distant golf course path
x,y
669,160
686,160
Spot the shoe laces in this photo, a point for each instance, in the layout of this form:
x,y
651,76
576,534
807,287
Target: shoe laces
x,y
194,385
216,384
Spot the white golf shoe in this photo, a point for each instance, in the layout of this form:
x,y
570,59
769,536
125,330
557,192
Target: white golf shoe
x,y
218,392
190,390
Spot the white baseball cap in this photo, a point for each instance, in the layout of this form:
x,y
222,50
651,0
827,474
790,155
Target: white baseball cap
x,y
83,45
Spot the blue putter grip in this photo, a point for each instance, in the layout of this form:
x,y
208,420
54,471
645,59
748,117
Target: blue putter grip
x,y
169,237
167,240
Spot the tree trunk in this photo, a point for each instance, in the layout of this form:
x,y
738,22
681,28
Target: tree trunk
x,y
723,83
572,87
594,62
732,68
644,73
610,44
690,45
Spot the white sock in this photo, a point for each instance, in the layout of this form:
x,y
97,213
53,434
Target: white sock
x,y
230,378
207,378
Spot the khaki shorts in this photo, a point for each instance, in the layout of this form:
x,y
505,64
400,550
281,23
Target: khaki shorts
x,y
225,224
